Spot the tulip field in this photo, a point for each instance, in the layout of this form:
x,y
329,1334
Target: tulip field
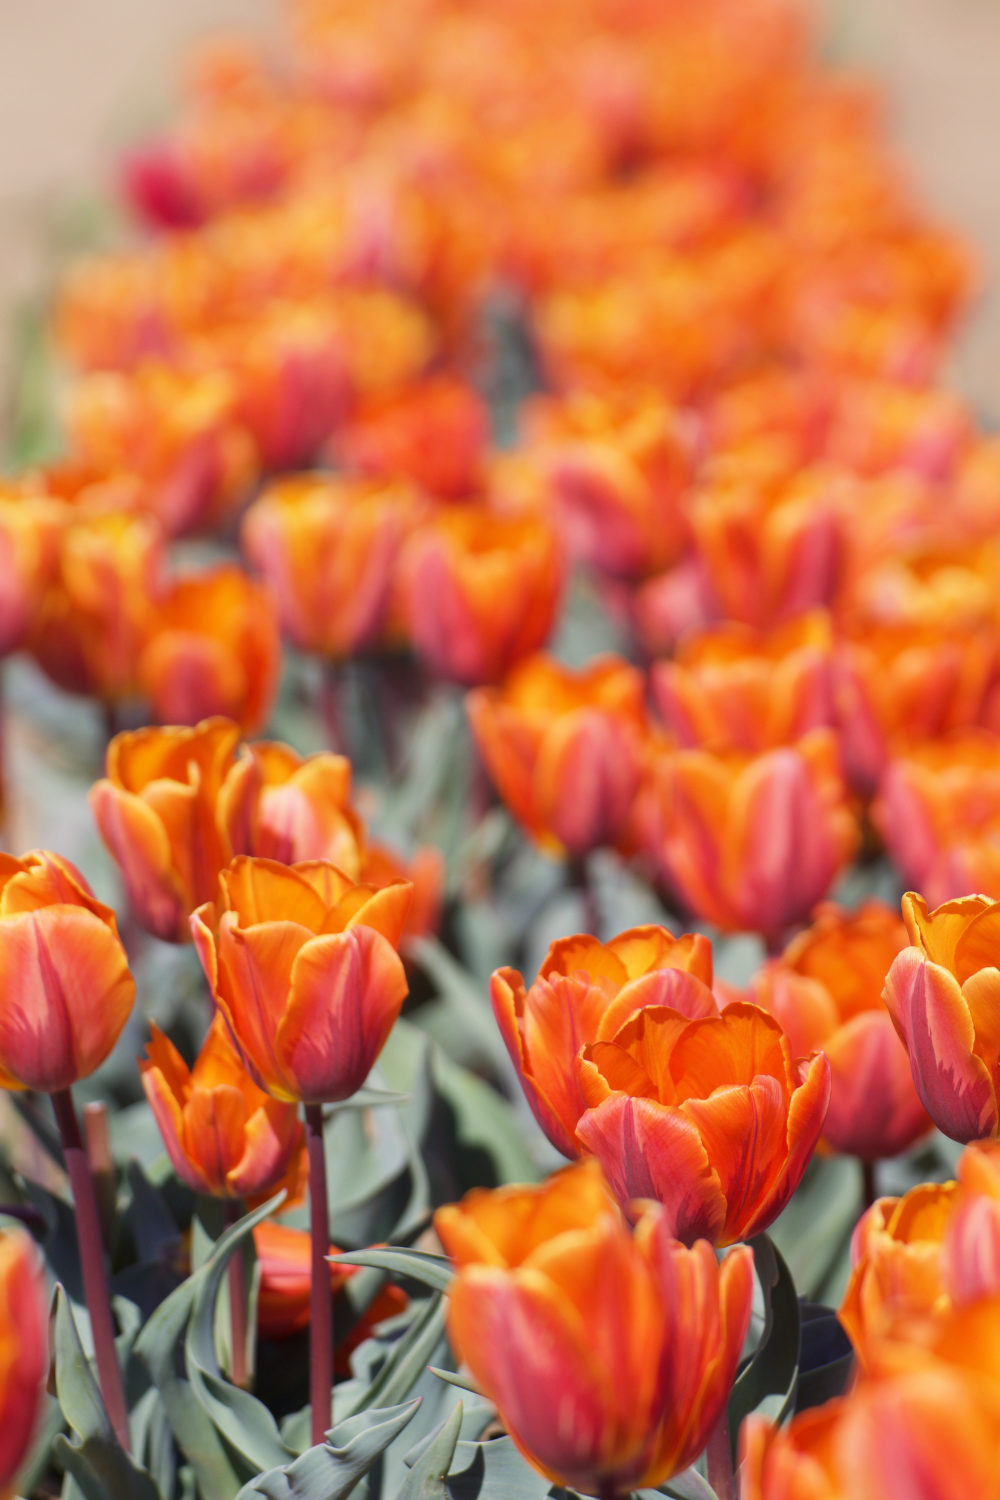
x,y
500,901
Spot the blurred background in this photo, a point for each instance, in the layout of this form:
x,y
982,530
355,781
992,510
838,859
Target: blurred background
x,y
80,81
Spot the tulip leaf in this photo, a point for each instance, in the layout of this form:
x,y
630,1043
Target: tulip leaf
x,y
769,1377
826,1358
332,1469
426,1479
451,1377
245,1423
98,1464
494,1470
406,1360
686,1486
434,1271
815,1229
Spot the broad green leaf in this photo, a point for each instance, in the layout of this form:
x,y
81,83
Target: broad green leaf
x,y
425,1480
407,1359
768,1378
451,1377
331,1470
494,1470
686,1486
434,1271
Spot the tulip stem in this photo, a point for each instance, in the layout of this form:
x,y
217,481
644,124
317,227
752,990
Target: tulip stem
x,y
719,1458
869,1186
580,879
95,1276
320,1290
331,699
236,1273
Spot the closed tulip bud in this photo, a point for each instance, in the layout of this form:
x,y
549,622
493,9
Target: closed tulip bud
x,y
283,1262
277,804
943,994
223,1134
215,650
303,966
604,1394
826,991
733,688
24,1351
727,832
483,592
563,748
328,548
63,974
584,991
157,813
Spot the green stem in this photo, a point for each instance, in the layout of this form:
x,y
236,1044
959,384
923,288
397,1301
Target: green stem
x,y
320,1290
95,1276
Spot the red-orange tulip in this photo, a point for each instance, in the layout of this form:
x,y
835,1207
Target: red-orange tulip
x,y
943,994
214,650
604,1393
563,748
826,991
483,592
712,1117
584,991
156,811
433,432
64,975
223,1134
303,965
24,1354
425,873
277,804
29,529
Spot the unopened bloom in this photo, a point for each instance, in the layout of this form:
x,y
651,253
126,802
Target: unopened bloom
x,y
303,966
483,591
214,650
563,748
223,1134
156,812
24,1350
584,991
728,832
606,1393
712,1117
943,994
826,991
64,975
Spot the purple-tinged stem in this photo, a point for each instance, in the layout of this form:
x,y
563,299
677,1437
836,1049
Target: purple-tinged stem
x,y
95,1276
320,1290
869,1186
719,1458
236,1273
102,1167
580,878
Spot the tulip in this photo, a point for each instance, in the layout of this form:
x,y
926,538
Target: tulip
x,y
223,1134
283,1298
328,548
29,529
825,990
712,1117
563,748
276,804
425,872
215,650
585,989
483,592
433,432
938,810
156,812
603,1394
24,1357
733,688
943,994
302,964
727,832
65,975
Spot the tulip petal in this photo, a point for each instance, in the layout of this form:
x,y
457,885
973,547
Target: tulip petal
x,y
139,845
254,969
214,1125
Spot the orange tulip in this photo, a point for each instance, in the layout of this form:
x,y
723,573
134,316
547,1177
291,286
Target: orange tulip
x,y
605,1394
328,548
584,991
64,975
563,748
938,810
433,432
283,1261
223,1134
727,832
29,529
711,1117
943,994
483,592
733,688
156,812
425,873
214,650
24,1353
303,966
277,804
825,989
